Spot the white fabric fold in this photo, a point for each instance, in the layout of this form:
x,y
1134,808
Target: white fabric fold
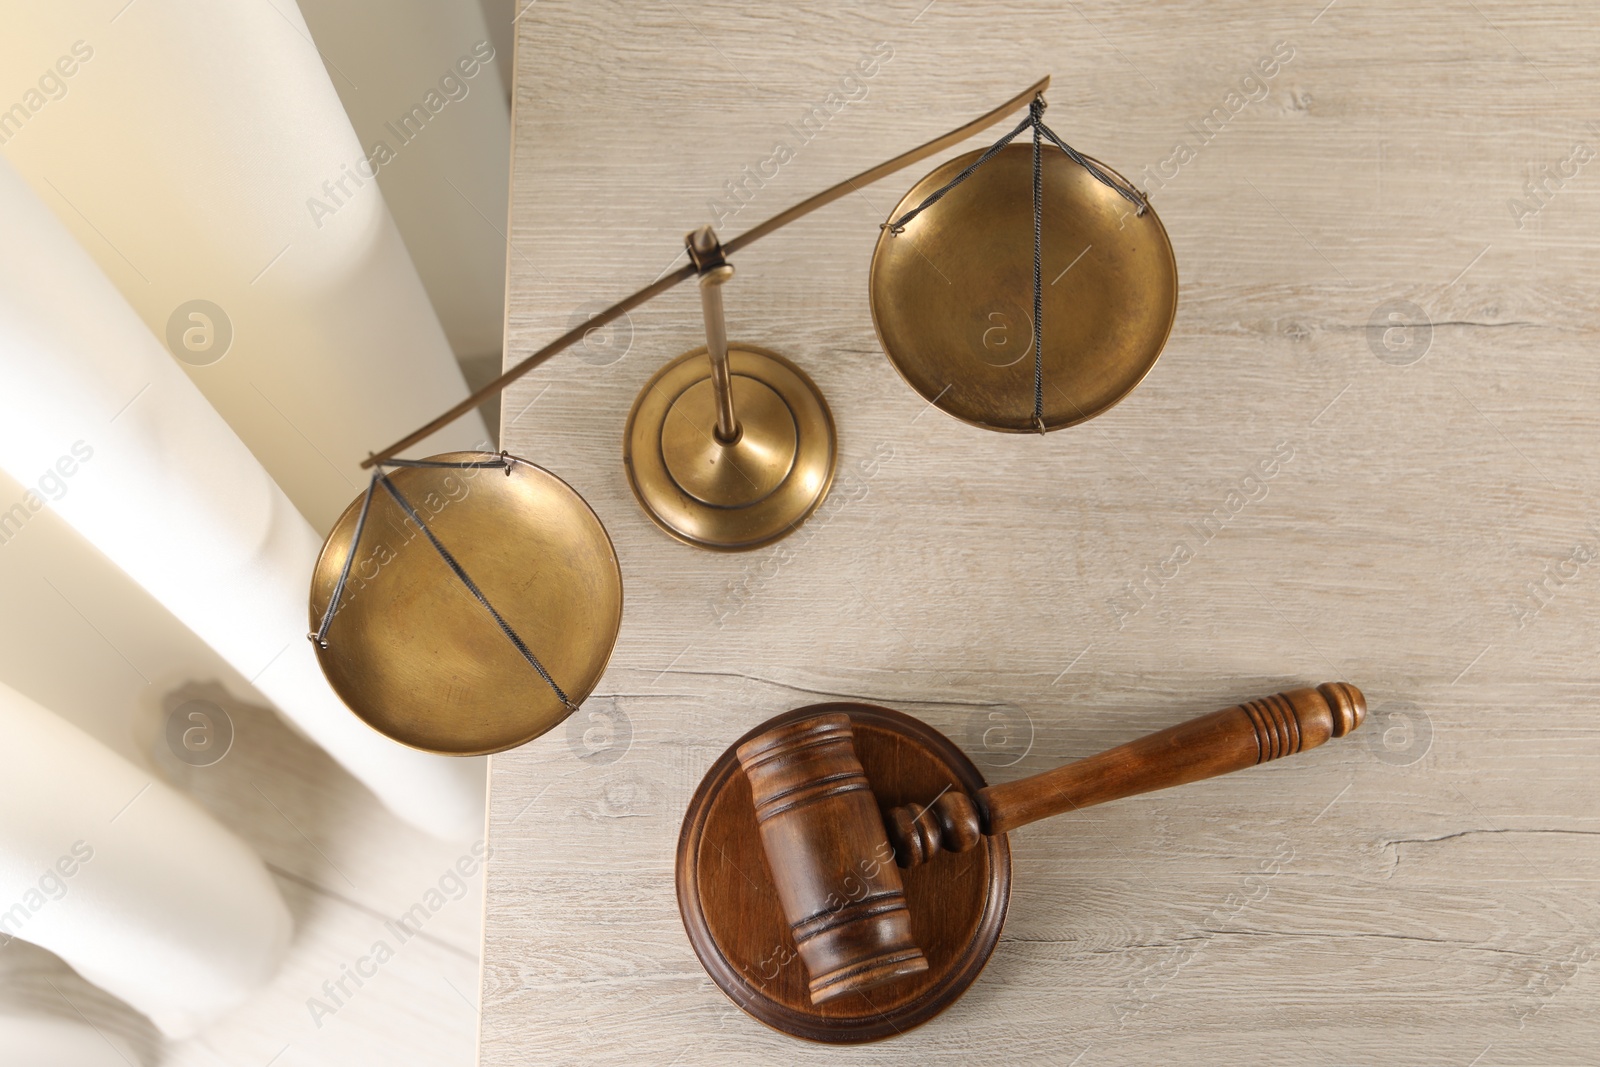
x,y
199,152
154,478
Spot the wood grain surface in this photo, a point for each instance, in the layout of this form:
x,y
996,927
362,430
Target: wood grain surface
x,y
1294,494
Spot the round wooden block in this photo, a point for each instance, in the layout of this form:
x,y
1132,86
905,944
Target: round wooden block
x,y
730,909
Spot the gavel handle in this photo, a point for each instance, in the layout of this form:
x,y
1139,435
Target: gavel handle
x,y
1223,741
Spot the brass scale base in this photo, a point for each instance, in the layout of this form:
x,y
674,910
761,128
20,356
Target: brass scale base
x,y
739,494
730,909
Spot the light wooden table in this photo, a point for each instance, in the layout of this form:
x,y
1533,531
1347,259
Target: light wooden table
x,y
1423,892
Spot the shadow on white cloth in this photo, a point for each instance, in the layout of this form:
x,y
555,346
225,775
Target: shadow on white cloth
x,y
127,880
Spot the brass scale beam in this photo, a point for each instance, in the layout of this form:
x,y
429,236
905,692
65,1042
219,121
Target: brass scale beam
x,y
726,423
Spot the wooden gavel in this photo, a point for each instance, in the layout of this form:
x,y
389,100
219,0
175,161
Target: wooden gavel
x,y
834,858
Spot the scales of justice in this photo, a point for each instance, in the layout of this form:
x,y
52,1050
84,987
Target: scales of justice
x,y
469,602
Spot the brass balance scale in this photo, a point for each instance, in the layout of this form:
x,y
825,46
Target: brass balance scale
x,y
503,624
503,629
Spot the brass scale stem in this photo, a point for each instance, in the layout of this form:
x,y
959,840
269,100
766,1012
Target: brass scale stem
x,y
703,242
710,291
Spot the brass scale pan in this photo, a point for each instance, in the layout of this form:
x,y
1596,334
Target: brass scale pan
x,y
415,656
952,295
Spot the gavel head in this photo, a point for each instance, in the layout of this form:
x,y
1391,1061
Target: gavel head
x,y
830,858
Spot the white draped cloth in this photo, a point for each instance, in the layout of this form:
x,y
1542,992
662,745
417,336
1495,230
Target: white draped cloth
x,y
125,879
169,152
198,151
163,487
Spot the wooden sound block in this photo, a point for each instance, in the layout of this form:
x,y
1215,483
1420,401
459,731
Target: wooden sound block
x,y
730,908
